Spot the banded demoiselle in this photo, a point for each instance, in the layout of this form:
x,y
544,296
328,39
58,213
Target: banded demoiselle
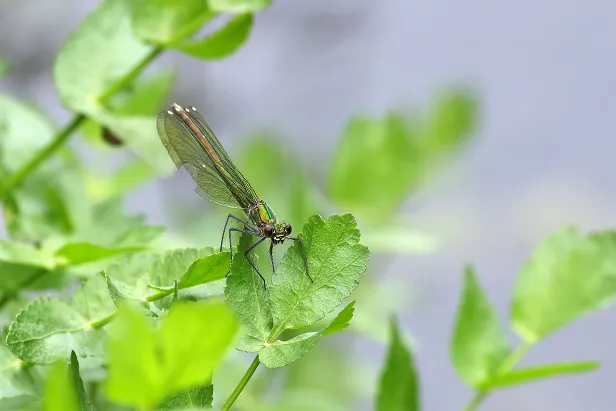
x,y
191,143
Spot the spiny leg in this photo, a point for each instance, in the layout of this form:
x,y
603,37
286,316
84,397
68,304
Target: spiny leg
x,y
250,261
246,224
271,253
301,244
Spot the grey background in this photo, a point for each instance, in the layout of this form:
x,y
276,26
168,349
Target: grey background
x,y
543,155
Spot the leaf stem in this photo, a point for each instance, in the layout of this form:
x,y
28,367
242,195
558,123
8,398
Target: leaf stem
x,y
507,365
240,385
77,120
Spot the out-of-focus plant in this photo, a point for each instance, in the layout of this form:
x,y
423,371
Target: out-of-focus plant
x,y
106,312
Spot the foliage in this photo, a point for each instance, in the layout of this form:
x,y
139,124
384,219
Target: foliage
x,y
103,311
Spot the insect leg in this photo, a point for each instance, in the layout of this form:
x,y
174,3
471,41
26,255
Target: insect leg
x,y
250,261
271,253
301,244
246,224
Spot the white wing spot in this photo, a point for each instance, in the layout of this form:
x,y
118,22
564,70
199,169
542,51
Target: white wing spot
x,y
178,108
194,109
170,112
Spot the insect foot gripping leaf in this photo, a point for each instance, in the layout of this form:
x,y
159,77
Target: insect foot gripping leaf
x,y
336,261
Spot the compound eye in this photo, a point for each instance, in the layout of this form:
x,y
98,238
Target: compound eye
x,y
287,229
268,230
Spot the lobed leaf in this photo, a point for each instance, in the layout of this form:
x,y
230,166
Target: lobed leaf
x,y
201,396
342,320
336,261
281,353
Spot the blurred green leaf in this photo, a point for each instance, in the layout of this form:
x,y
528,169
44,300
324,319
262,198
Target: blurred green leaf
x,y
104,37
49,329
201,396
342,320
24,130
146,97
336,261
247,296
4,67
479,344
127,178
14,382
531,374
398,385
77,383
84,252
281,353
222,42
25,254
238,6
147,365
60,393
380,161
398,238
568,275
165,21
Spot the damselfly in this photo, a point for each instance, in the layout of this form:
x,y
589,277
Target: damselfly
x,y
191,143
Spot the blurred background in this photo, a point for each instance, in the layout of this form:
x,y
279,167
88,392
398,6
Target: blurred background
x,y
539,156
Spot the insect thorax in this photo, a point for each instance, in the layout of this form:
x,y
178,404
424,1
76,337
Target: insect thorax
x,y
261,214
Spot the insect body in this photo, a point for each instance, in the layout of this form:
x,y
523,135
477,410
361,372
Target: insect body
x,y
191,143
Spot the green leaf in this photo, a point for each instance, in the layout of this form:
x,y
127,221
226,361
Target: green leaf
x,y
237,6
146,97
201,396
336,261
281,353
342,320
25,254
165,21
49,329
147,365
398,385
248,298
222,42
25,131
175,264
479,344
83,252
531,374
567,276
104,37
60,393
14,381
127,178
82,396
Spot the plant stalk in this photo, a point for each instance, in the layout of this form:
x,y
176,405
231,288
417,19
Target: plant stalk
x,y
240,385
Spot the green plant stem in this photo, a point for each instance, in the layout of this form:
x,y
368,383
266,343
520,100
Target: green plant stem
x,y
240,385
507,365
102,322
77,120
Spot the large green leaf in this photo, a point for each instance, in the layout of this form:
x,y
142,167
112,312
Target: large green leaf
x,y
281,353
166,21
49,329
148,365
221,43
569,274
96,55
336,261
479,344
398,385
